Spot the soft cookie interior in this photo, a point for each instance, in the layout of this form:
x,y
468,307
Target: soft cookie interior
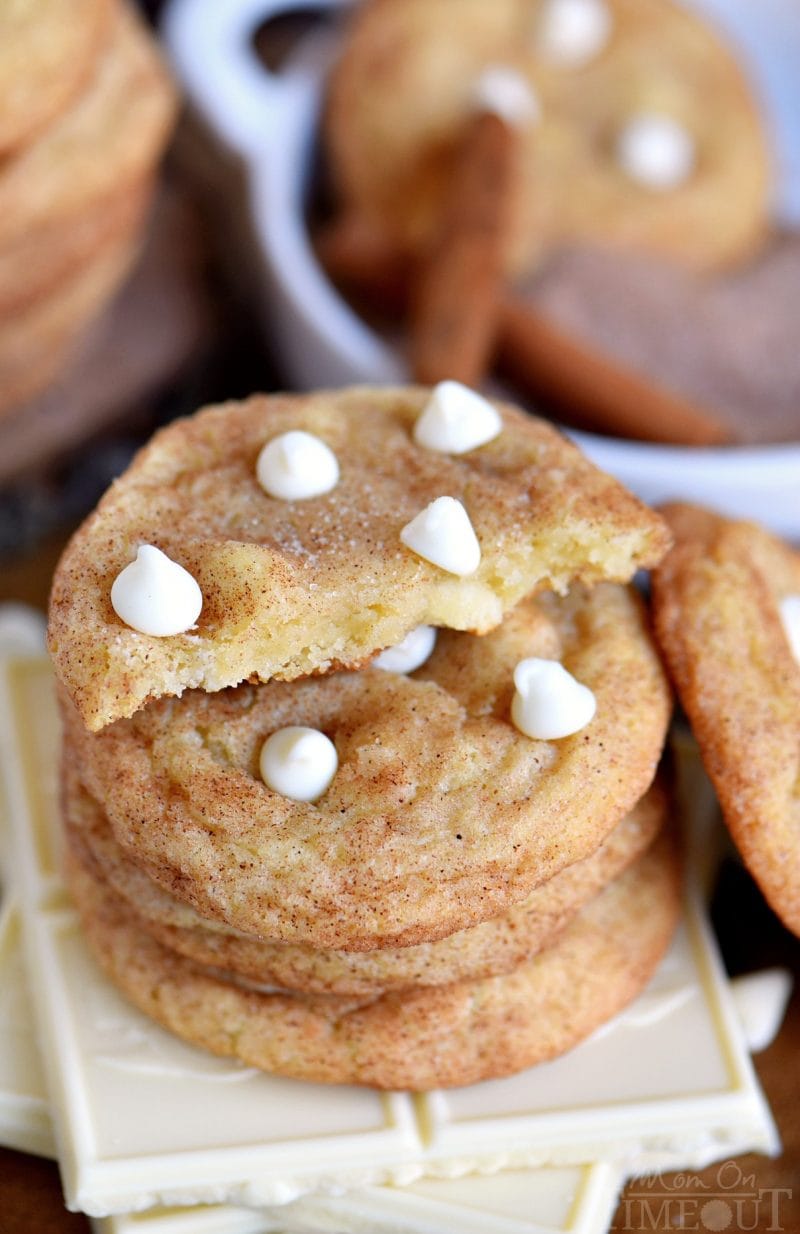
x,y
293,587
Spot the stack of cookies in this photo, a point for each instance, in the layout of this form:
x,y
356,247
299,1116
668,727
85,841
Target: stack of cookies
x,y
361,726
726,606
86,108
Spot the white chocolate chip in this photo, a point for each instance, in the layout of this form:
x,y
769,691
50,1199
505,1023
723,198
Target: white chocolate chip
x,y
409,654
572,32
296,465
549,703
154,595
443,535
504,92
656,151
790,616
455,419
760,1000
298,762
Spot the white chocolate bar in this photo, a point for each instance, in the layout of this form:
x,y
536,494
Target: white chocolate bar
x,y
24,1108
574,1198
570,1199
761,1000
577,1199
669,1082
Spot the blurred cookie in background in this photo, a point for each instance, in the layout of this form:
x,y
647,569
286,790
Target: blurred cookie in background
x,y
635,124
74,198
47,52
465,160
153,331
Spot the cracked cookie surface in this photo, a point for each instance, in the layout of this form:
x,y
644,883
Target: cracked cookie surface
x,y
293,588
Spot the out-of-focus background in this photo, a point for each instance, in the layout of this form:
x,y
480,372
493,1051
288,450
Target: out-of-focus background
x,y
202,252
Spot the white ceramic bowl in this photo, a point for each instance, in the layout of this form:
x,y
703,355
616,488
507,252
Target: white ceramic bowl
x,y
270,123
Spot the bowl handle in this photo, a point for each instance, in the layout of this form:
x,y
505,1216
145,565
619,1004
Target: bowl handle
x,y
211,45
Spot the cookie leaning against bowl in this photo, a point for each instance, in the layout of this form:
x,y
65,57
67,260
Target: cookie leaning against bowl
x,y
441,813
292,587
418,1039
718,601
485,950
659,82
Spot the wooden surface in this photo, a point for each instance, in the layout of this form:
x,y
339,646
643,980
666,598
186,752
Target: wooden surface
x,y
759,1194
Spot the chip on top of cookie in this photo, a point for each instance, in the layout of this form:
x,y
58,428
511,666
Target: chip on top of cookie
x,y
194,571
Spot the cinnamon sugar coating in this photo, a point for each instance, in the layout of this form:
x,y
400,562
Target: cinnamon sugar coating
x,y
716,610
419,1039
293,588
493,947
441,814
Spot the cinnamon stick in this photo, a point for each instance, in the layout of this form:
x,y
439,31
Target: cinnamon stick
x,y
457,291
585,388
361,259
589,391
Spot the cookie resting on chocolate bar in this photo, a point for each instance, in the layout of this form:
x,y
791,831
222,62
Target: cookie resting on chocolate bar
x,y
419,1039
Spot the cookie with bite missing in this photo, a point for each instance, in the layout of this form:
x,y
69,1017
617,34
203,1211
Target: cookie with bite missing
x,y
291,587
650,139
493,947
727,614
441,813
418,1039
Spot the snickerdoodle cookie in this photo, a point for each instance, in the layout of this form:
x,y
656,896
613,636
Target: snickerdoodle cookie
x,y
109,138
441,814
493,947
652,140
292,587
40,263
727,613
35,342
433,1037
48,50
